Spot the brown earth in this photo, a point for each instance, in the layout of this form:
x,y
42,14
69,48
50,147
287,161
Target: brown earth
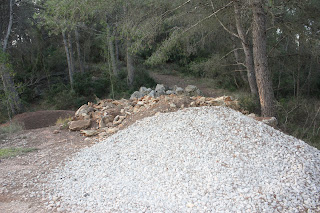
x,y
19,174
40,119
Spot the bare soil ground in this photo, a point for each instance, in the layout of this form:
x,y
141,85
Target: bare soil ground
x,y
20,174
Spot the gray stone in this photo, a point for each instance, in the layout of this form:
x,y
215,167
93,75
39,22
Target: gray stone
x,y
144,91
79,125
136,95
178,90
169,92
159,90
83,110
272,121
152,94
89,133
192,90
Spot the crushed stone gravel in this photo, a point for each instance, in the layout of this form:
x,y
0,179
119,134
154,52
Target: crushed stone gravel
x,y
206,159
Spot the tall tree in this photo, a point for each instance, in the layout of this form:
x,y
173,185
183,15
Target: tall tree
x,y
246,48
7,80
263,74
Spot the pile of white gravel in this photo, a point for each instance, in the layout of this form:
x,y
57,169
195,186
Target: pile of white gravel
x,y
195,160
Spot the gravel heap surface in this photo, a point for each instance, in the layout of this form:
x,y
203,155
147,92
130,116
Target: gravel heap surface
x,y
194,160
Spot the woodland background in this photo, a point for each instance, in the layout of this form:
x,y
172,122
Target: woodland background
x,y
60,54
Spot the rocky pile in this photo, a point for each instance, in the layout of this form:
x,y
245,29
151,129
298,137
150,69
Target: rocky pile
x,y
108,116
160,89
200,159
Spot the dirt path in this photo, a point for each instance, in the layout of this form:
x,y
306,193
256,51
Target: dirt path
x,y
20,174
205,86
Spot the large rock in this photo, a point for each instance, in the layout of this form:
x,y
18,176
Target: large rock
x,y
136,95
79,125
178,90
159,90
192,90
144,91
89,133
152,94
83,110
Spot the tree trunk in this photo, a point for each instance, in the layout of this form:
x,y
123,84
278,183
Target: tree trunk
x,y
112,53
247,50
71,52
80,61
237,57
6,39
130,66
263,74
66,48
12,95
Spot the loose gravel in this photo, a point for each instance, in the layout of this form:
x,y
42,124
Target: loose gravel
x,y
207,159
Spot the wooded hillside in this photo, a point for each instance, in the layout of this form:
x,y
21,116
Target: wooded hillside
x,y
60,54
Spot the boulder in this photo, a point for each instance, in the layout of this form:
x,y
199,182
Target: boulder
x,y
169,92
192,90
79,125
136,95
272,121
89,133
83,110
178,91
152,94
144,91
159,90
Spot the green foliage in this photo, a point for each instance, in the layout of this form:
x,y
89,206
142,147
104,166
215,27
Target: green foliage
x,y
249,103
63,123
300,118
207,68
87,85
12,152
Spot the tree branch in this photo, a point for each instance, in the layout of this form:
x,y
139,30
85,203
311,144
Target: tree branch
x,y
224,27
194,25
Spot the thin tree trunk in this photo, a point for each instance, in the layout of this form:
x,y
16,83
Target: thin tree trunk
x,y
6,39
71,52
14,100
237,57
65,42
263,74
80,61
247,50
112,53
130,66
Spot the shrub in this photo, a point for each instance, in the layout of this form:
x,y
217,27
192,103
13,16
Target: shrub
x,y
300,118
63,122
249,103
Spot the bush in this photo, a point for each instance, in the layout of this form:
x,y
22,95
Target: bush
x,y
300,118
63,122
250,103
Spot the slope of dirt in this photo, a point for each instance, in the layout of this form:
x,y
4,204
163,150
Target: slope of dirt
x,y
40,119
19,174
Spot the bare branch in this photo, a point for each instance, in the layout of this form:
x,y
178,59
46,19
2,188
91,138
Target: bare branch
x,y
224,27
230,52
170,11
207,17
